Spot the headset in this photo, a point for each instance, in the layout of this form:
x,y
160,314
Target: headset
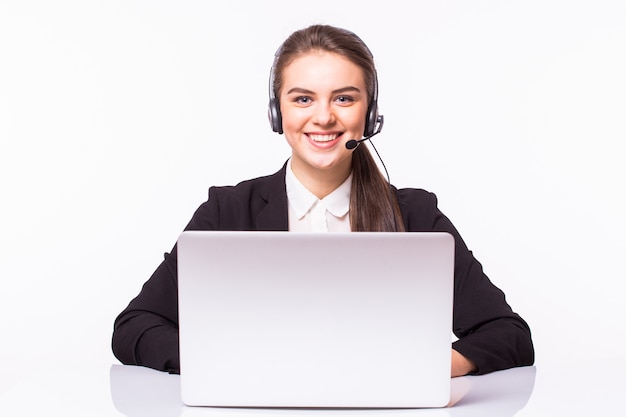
x,y
373,121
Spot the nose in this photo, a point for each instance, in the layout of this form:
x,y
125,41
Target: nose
x,y
324,115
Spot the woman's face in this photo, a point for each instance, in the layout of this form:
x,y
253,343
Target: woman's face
x,y
323,101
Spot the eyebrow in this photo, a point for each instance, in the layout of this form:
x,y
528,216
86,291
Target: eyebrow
x,y
300,90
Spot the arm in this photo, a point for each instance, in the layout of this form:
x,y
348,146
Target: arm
x,y
491,336
146,332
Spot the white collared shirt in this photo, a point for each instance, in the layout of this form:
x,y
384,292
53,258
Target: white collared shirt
x,y
307,213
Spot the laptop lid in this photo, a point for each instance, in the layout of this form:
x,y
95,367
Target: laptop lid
x,y
285,319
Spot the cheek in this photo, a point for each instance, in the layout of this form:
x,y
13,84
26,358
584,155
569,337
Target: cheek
x,y
293,119
291,126
354,119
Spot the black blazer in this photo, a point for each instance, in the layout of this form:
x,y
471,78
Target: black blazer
x,y
489,332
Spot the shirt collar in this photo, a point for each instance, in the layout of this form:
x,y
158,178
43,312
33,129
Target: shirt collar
x,y
302,200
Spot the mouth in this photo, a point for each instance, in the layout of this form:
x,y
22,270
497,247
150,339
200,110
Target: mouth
x,y
323,138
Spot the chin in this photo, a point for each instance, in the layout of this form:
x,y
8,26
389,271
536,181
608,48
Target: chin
x,y
328,165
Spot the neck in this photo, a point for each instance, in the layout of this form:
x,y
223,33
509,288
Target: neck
x,y
321,182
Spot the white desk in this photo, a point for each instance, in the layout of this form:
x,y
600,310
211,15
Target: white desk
x,y
92,389
499,394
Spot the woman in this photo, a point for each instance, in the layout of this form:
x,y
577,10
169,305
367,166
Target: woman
x,y
323,97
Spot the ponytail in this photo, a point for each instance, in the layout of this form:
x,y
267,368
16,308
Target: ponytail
x,y
373,205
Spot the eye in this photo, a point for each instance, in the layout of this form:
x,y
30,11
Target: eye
x,y
302,100
344,99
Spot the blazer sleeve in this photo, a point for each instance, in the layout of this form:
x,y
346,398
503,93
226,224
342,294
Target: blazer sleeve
x,y
489,332
146,331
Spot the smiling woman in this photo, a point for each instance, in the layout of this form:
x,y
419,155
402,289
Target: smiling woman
x,y
323,95
337,60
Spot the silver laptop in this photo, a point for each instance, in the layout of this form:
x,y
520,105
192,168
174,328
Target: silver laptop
x,y
333,320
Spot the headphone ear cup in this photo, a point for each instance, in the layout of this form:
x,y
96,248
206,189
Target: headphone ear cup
x,y
274,116
371,119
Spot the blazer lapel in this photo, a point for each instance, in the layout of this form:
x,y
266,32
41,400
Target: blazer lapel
x,y
274,215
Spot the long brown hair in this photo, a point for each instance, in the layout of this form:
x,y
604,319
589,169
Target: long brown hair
x,y
373,205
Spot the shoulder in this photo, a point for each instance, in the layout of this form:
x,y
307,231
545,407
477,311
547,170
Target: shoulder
x,y
241,206
419,209
416,197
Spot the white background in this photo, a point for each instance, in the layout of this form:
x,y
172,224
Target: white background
x,y
116,117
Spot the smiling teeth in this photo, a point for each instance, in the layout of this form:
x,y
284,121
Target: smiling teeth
x,y
323,138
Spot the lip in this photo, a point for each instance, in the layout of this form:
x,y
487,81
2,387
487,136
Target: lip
x,y
324,140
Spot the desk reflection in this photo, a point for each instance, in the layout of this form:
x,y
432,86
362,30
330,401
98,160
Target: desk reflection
x,y
142,392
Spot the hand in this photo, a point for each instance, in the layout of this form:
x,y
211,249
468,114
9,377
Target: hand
x,y
461,365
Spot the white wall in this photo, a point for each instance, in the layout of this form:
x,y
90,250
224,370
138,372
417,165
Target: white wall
x,y
116,116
